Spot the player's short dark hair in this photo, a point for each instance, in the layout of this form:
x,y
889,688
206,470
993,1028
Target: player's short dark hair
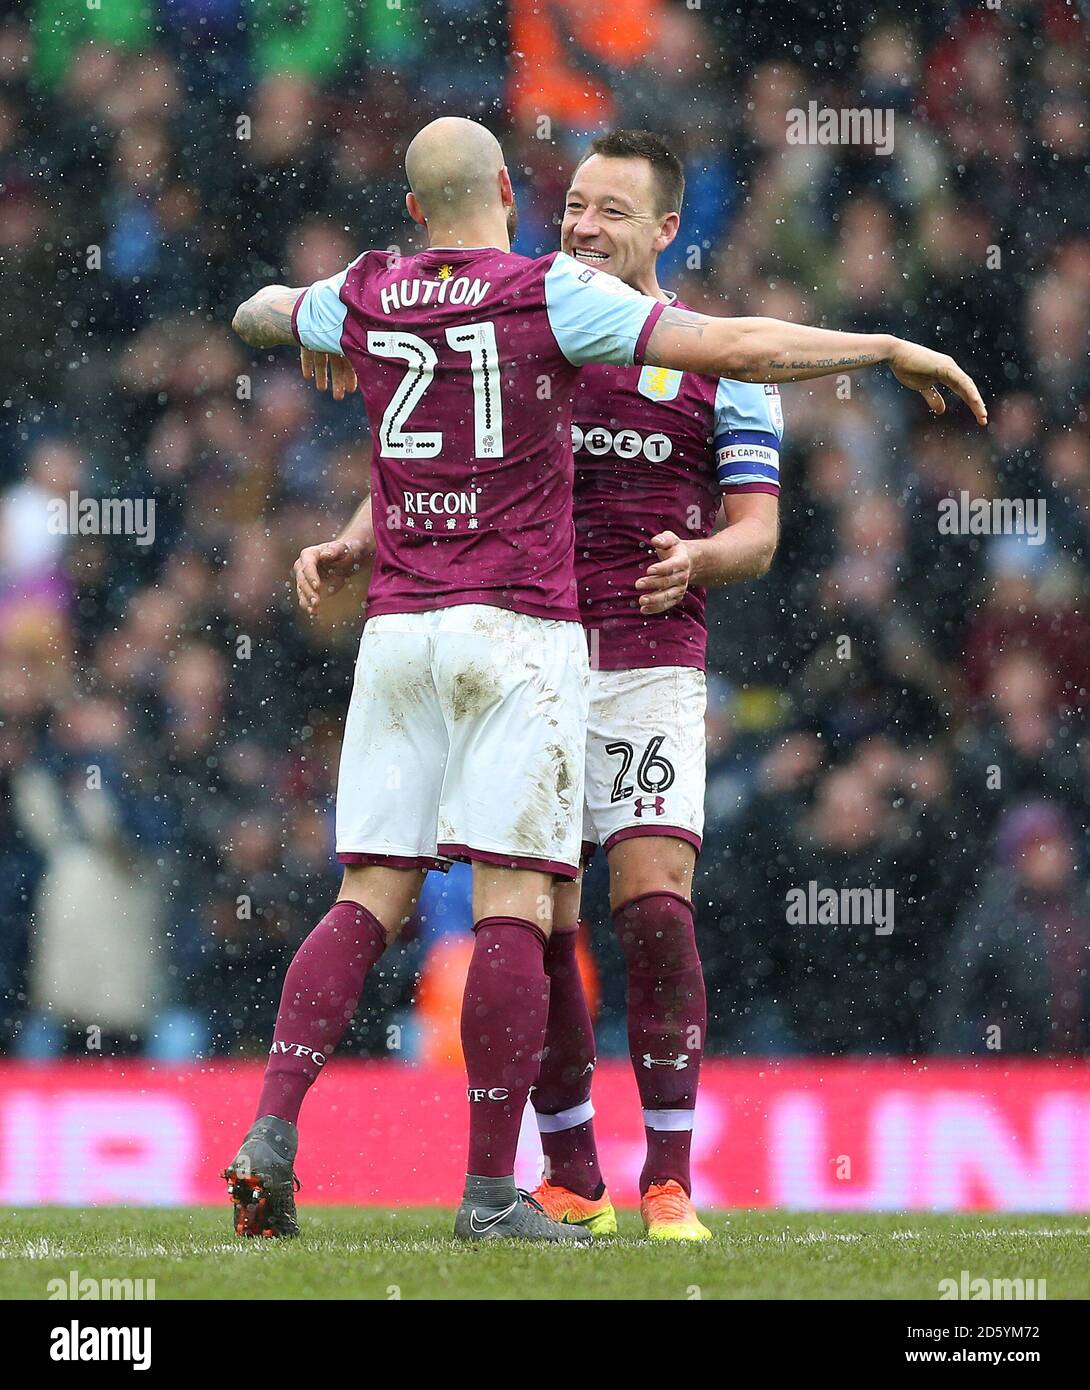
x,y
645,144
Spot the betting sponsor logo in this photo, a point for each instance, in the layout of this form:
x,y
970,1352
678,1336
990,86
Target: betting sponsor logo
x,y
626,444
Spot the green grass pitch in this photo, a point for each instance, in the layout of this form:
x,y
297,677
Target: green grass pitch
x,y
376,1253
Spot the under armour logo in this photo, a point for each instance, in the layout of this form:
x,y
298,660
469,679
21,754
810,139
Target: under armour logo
x,y
656,804
678,1063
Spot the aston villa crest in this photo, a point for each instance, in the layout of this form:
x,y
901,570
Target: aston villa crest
x,y
659,383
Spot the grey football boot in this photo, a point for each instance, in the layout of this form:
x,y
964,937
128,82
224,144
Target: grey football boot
x,y
494,1209
261,1180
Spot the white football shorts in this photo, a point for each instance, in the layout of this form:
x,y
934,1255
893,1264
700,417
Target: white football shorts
x,y
646,755
465,739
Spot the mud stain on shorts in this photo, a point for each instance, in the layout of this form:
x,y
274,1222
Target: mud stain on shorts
x,y
473,692
404,694
545,819
562,768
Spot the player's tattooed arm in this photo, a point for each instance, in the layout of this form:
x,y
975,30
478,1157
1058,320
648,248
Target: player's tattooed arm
x,y
761,349
758,349
264,320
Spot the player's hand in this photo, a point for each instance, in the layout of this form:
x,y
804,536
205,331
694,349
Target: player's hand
x,y
664,584
322,569
328,368
924,370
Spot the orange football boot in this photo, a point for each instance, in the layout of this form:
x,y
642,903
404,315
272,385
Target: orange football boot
x,y
668,1214
567,1207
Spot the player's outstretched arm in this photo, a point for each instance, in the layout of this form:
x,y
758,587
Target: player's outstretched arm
x,y
758,349
264,320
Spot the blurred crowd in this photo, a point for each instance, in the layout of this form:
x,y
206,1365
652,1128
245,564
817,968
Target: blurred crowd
x,y
891,707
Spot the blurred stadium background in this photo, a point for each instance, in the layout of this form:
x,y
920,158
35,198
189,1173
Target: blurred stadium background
x,y
169,723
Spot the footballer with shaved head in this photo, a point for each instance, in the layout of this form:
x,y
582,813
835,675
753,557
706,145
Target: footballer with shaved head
x,y
466,727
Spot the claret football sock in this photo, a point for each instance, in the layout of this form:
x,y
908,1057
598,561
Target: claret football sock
x,y
667,1020
321,993
504,1010
561,1098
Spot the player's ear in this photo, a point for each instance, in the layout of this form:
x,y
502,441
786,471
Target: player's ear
x,y
507,192
667,231
416,212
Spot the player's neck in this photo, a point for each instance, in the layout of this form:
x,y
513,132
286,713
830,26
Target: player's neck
x,y
648,284
485,232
